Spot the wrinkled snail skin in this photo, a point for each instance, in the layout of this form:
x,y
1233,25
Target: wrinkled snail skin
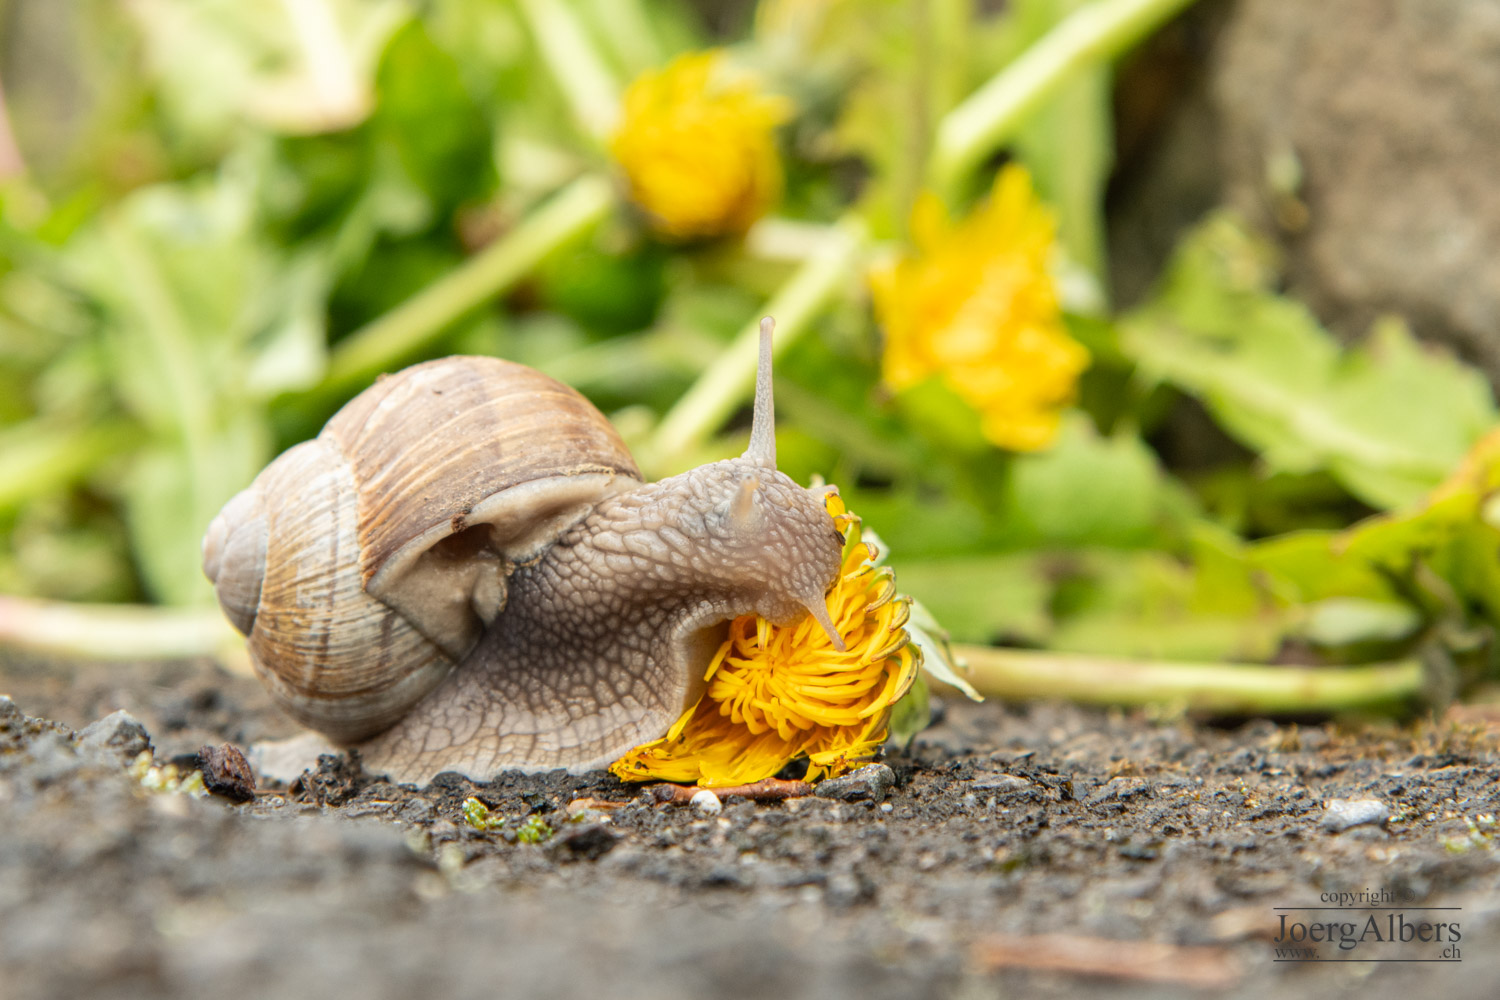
x,y
604,638
464,571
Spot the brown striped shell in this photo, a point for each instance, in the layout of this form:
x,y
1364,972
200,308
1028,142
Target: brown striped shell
x,y
363,564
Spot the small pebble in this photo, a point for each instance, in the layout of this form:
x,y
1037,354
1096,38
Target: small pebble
x,y
1118,789
870,782
1341,814
226,772
120,732
706,802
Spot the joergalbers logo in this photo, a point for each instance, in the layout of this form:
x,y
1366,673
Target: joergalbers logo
x,y
1370,925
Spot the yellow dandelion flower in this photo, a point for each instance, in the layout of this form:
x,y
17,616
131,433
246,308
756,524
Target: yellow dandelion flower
x,y
776,694
697,146
978,307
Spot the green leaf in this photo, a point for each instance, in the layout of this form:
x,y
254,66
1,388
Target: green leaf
x,y
1344,621
291,350
608,292
291,67
918,521
203,320
37,458
941,416
1149,605
170,496
1433,565
981,598
1388,419
1309,566
1381,558
1088,490
425,112
485,40
377,203
938,659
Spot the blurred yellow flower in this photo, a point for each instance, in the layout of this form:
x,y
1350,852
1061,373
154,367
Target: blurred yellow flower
x,y
978,306
697,146
779,693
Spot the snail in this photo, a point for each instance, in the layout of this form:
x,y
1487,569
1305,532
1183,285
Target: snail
x,y
465,571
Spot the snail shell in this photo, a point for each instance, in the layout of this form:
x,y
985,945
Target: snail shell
x,y
363,564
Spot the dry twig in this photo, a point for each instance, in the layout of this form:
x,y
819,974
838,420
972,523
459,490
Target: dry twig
x,y
1203,966
767,790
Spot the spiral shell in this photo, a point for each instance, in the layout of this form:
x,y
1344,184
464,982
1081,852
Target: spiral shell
x,y
362,565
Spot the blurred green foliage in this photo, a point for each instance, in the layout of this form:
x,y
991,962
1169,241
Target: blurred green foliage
x,y
220,192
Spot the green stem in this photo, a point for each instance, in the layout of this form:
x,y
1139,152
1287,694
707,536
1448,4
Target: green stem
x,y
906,175
1223,688
400,332
990,115
627,31
728,382
582,76
117,632
788,240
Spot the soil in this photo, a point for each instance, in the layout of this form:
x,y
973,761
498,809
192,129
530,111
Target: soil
x,y
1037,850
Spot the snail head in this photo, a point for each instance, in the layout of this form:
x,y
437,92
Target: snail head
x,y
769,536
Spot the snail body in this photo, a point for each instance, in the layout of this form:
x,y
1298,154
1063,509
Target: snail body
x,y
465,571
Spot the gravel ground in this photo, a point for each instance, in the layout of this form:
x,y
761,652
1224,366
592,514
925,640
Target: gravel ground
x,y
1039,851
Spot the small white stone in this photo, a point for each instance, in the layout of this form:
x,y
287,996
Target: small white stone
x,y
706,802
1341,814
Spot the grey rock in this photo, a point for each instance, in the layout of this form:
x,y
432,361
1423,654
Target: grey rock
x,y
871,782
1341,814
1119,789
10,713
1003,784
1395,127
416,811
1362,133
119,732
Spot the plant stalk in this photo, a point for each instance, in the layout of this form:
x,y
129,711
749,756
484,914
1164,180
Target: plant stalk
x,y
728,382
580,73
1215,688
116,632
395,335
1097,32
112,632
627,31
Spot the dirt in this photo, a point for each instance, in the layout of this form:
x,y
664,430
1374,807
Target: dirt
x,y
1134,855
